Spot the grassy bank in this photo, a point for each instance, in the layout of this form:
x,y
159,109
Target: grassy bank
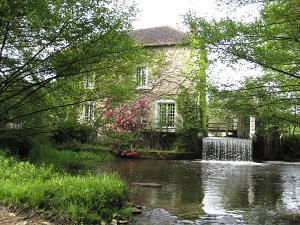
x,y
67,160
83,199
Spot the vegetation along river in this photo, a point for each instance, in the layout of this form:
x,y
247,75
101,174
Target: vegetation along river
x,y
199,192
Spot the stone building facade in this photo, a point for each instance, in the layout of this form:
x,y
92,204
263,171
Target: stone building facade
x,y
161,80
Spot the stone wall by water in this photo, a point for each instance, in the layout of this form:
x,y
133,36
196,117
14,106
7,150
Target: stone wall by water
x,y
227,149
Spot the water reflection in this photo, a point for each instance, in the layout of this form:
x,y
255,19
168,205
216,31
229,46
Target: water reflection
x,y
228,186
290,198
215,192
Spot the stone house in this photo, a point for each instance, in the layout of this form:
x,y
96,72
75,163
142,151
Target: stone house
x,y
160,81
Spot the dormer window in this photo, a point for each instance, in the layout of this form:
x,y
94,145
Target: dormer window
x,y
89,80
142,77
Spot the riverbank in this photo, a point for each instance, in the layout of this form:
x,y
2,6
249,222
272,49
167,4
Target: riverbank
x,y
176,178
166,155
9,216
145,153
76,199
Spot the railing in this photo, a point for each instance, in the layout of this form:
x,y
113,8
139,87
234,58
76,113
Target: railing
x,y
226,129
221,127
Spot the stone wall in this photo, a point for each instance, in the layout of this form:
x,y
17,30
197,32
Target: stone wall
x,y
170,71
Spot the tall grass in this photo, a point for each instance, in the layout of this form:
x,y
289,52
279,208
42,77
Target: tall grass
x,y
82,198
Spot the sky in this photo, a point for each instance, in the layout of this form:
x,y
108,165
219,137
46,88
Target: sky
x,y
168,12
155,13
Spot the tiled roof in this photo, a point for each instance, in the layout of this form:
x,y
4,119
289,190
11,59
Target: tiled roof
x,y
164,35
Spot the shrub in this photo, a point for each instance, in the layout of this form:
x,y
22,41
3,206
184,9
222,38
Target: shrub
x,y
72,132
292,146
20,142
125,125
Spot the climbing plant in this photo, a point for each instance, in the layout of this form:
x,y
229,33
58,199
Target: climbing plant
x,y
190,124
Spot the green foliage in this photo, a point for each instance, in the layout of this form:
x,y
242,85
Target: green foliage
x,y
83,199
270,42
43,62
70,132
268,97
65,160
199,46
292,147
17,142
123,144
125,125
188,108
81,196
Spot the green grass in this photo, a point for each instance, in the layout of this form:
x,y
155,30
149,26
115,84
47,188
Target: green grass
x,y
66,159
83,198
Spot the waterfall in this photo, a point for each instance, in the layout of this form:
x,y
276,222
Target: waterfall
x,y
227,149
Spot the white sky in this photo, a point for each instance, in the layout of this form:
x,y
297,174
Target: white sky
x,y
168,12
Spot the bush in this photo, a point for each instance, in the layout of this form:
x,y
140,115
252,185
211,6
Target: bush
x,y
18,142
72,132
125,125
292,147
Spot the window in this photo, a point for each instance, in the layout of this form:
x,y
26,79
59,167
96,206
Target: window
x,y
88,80
142,77
88,111
165,114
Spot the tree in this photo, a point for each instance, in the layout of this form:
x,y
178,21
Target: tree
x,y
48,45
270,42
264,97
199,46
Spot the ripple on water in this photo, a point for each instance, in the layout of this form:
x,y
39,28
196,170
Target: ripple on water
x,y
162,217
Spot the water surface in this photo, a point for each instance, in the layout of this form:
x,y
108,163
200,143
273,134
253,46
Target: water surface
x,y
198,192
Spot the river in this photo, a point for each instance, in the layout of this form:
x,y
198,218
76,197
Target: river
x,y
199,192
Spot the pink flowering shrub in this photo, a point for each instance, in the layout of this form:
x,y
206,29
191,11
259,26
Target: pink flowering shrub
x,y
125,124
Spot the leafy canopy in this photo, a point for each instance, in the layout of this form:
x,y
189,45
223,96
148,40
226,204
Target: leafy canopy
x,y
270,42
47,42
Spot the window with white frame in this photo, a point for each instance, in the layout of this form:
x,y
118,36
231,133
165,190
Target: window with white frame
x,y
88,111
142,77
165,114
89,80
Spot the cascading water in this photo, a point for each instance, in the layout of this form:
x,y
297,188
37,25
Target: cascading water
x,y
227,149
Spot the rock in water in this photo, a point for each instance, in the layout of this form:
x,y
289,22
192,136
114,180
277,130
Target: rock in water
x,y
153,185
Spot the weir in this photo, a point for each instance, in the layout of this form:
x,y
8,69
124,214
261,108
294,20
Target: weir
x,y
227,149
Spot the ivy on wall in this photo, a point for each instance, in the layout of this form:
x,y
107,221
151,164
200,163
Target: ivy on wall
x,y
190,124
